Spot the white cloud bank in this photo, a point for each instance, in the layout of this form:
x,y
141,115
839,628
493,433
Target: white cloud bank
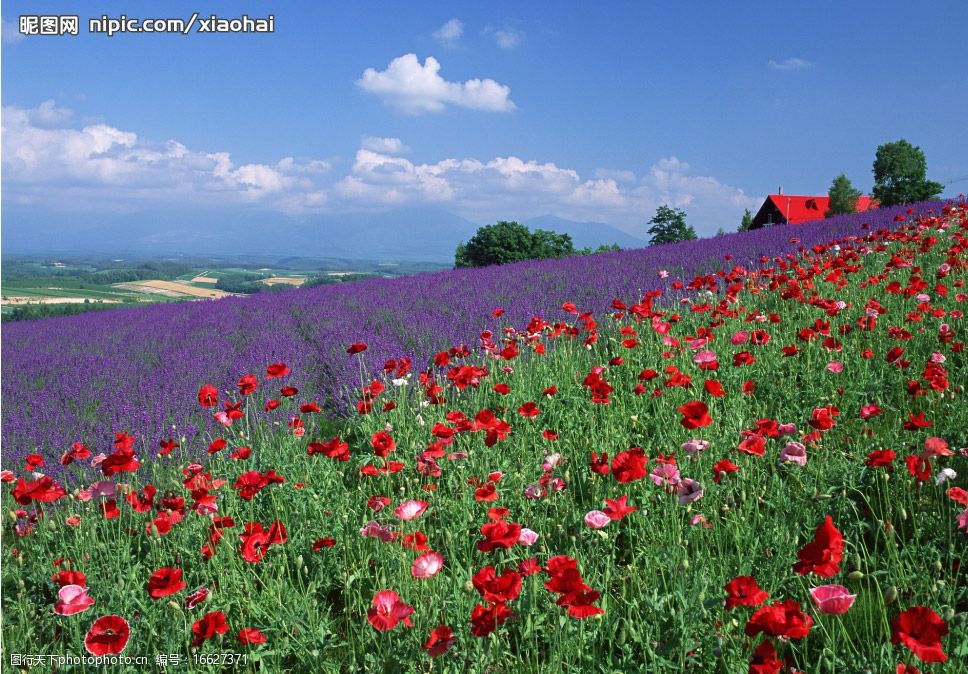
x,y
415,89
54,164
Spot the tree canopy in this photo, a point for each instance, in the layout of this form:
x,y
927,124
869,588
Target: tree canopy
x,y
747,222
843,197
900,175
669,225
505,242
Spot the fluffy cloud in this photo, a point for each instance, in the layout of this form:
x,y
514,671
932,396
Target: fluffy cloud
x,y
506,37
414,88
53,163
792,63
449,34
385,145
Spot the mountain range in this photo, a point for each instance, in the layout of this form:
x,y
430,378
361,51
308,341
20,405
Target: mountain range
x,y
414,234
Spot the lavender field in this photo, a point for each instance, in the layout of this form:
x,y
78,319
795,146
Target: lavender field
x,y
138,370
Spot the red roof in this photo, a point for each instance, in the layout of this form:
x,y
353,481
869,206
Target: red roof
x,y
797,209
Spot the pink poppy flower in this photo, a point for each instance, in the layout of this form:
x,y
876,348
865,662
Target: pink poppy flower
x,y
689,491
427,565
695,447
374,529
665,475
787,429
703,357
596,519
836,367
739,337
794,452
72,599
832,599
527,537
410,510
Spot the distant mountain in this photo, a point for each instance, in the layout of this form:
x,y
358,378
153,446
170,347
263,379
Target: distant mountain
x,y
406,234
586,234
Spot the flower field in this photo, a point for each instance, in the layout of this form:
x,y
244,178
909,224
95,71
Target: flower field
x,y
740,454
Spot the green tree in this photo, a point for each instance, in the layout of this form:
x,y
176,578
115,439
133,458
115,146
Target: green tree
x,y
505,242
900,175
843,197
747,222
669,225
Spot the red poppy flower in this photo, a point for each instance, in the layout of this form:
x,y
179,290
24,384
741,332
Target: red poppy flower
x,y
77,451
217,445
334,448
440,641
165,581
753,445
880,458
120,460
356,347
495,588
503,389
167,446
743,591
630,465
276,370
486,620
617,509
764,659
599,464
69,577
529,410
325,542
196,598
251,636
45,490
248,384
714,388
823,555
208,396
695,414
382,443
920,629
486,494
723,467
780,619
107,636
915,422
499,534
208,626
388,610
110,509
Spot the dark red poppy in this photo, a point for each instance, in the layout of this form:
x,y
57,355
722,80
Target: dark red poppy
x,y
167,446
107,636
382,443
45,490
440,640
276,370
356,347
251,636
78,451
764,659
630,465
69,577
208,626
208,396
599,464
165,581
499,535
695,414
920,629
723,467
485,620
743,591
334,448
495,588
780,619
881,458
823,555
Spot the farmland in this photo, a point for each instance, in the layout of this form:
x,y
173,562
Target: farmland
x,y
745,453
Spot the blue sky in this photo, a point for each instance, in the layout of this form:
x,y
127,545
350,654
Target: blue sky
x,y
496,110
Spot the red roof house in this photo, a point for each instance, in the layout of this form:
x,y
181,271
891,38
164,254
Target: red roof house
x,y
791,209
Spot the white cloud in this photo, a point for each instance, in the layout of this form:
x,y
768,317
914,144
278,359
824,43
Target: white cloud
x,y
508,38
55,163
449,34
792,63
385,145
415,88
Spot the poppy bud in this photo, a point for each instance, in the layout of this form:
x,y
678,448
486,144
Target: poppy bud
x,y
52,525
855,575
938,566
890,594
685,564
903,514
174,606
